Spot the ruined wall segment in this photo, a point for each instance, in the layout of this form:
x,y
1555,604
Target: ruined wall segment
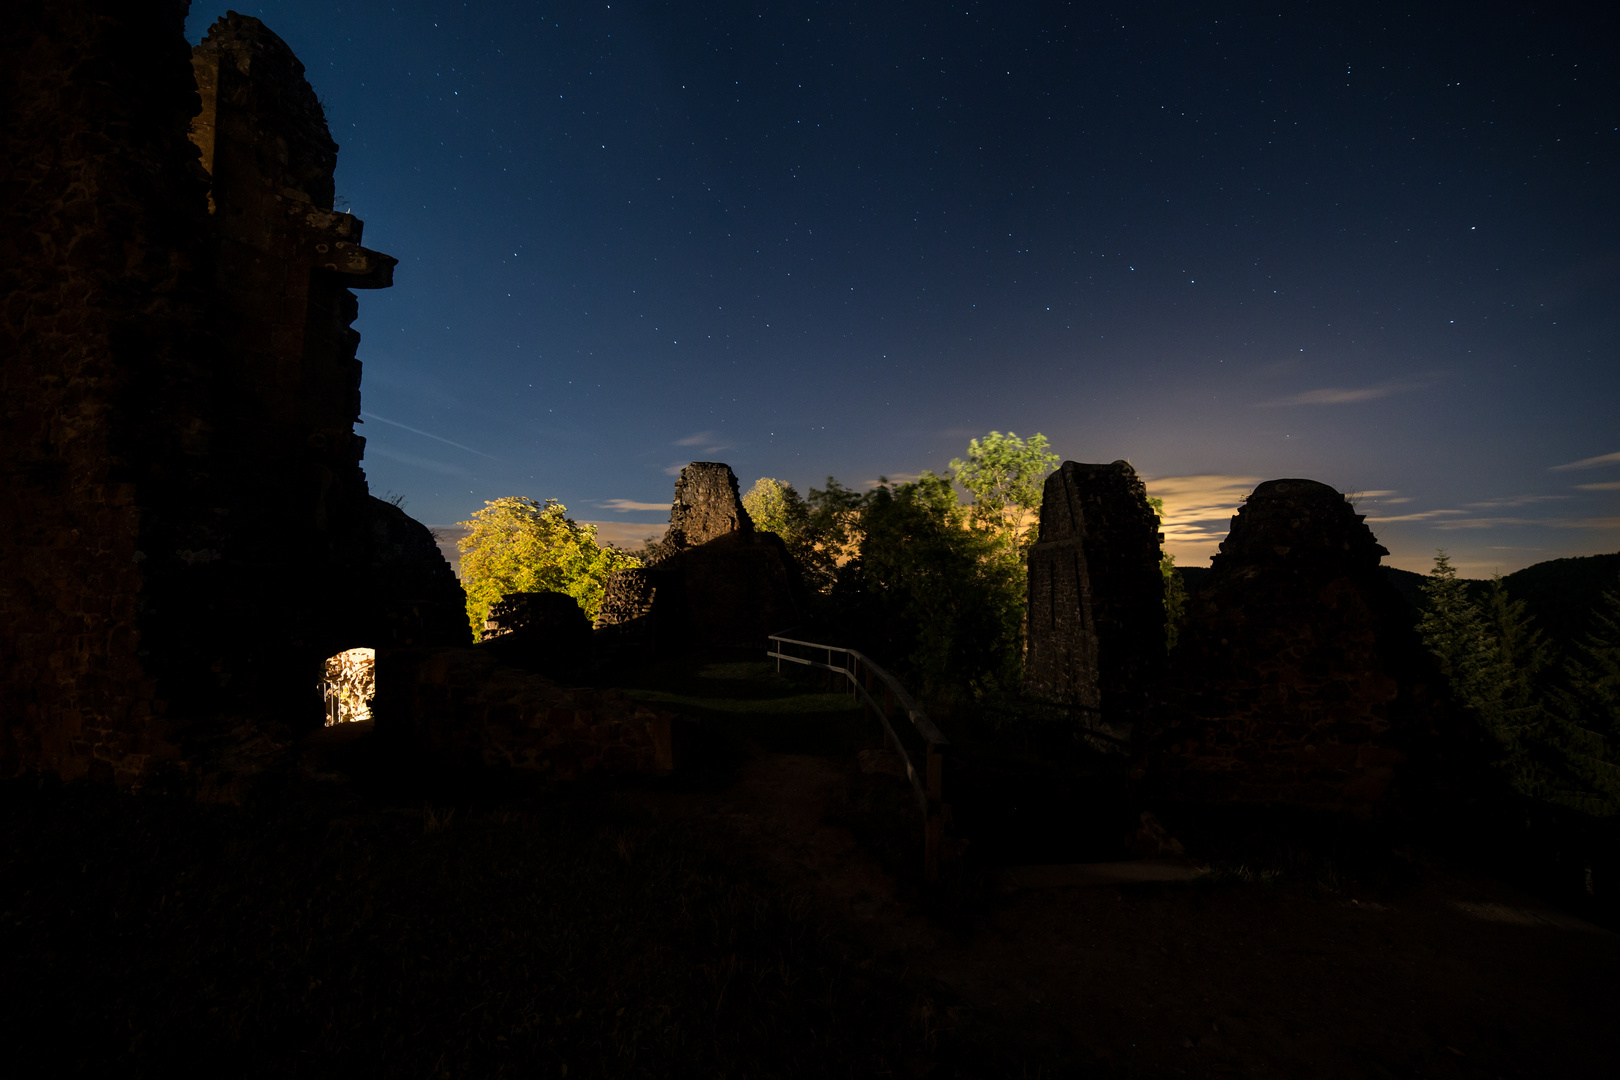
x,y
465,706
1295,682
1095,617
714,581
184,525
102,259
707,506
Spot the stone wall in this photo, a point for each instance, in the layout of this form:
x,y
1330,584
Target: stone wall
x,y
464,706
1095,617
185,527
1298,680
713,582
103,273
706,507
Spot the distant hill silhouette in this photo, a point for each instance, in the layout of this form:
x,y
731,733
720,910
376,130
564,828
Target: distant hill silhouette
x,y
1562,594
1559,594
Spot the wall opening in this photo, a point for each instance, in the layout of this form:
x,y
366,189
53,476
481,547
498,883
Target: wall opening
x,y
348,680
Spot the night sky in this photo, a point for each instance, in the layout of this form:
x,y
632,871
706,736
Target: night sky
x,y
1378,248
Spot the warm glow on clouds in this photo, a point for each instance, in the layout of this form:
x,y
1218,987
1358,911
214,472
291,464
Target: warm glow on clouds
x,y
1198,511
623,505
626,534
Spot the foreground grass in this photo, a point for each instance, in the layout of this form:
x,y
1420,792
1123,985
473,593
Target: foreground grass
x,y
316,933
742,703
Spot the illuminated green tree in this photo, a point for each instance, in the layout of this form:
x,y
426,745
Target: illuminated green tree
x,y
516,544
822,532
1006,475
775,507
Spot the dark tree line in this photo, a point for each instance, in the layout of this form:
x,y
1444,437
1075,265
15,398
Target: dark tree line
x,y
1552,721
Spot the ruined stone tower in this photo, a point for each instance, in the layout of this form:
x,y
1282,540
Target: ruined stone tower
x,y
1298,679
185,529
1095,630
714,582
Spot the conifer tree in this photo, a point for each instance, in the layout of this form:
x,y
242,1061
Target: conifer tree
x,y
1588,711
1491,659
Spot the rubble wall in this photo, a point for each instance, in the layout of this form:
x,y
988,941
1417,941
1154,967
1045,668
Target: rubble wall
x,y
714,581
465,706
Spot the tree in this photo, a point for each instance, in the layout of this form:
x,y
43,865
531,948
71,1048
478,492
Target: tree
x,y
1006,475
1175,590
1589,711
776,507
1558,744
821,532
1454,631
1493,658
936,597
516,544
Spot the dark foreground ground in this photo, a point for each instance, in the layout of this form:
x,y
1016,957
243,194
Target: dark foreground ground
x,y
366,914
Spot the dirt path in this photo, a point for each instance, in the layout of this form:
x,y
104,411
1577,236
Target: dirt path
x,y
1457,977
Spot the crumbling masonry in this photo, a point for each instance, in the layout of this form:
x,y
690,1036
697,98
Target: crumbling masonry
x,y
1096,599
185,529
714,581
1298,680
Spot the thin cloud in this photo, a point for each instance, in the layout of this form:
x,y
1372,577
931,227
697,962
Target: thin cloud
x,y
893,479
1341,395
623,505
1382,498
1422,515
626,534
1586,523
1517,500
1589,463
427,434
1607,485
1487,523
1548,523
708,440
443,469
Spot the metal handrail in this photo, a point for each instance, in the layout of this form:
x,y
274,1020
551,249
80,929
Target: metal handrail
x,y
929,791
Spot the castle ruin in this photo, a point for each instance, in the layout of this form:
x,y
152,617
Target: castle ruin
x,y
186,529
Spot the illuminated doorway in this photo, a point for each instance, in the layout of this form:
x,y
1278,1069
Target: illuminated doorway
x,y
347,682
